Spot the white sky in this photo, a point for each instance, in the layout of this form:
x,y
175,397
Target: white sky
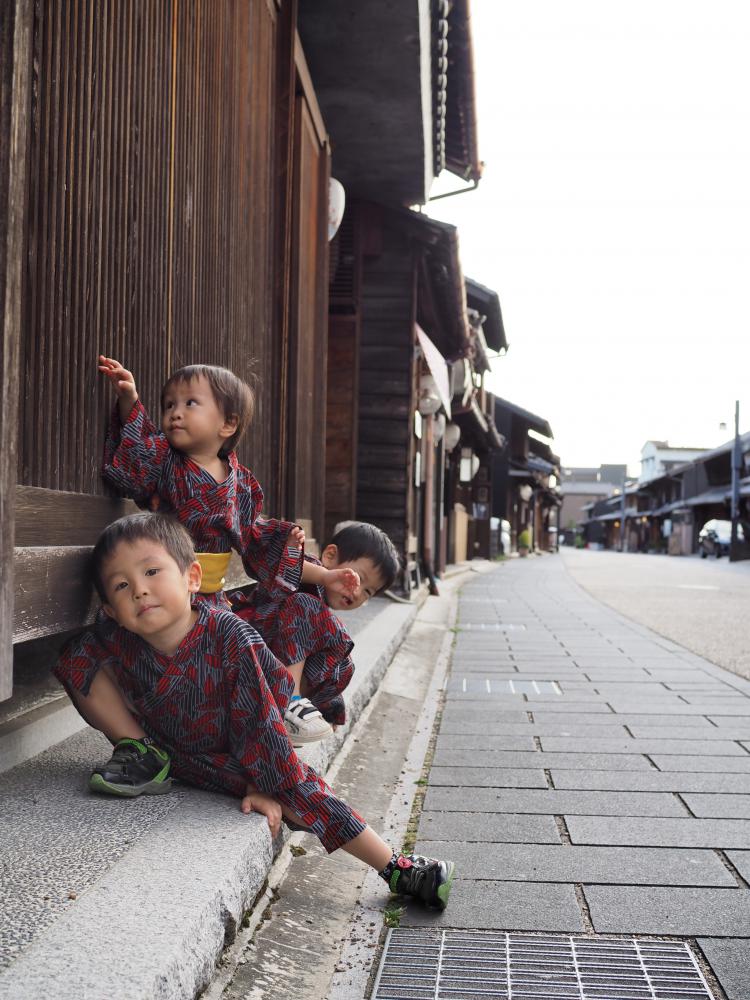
x,y
613,218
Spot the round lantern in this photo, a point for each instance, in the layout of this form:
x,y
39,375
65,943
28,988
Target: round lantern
x,y
336,205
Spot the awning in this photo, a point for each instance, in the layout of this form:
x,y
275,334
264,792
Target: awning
x,y
537,464
487,302
709,497
461,154
539,424
551,499
438,369
665,508
479,426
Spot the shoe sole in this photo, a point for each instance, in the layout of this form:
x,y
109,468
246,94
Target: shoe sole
x,y
300,741
303,741
98,784
444,890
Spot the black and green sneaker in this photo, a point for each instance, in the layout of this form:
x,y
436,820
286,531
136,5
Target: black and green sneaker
x,y
426,879
136,767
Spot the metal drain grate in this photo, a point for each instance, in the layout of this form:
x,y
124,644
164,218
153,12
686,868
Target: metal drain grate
x,y
477,965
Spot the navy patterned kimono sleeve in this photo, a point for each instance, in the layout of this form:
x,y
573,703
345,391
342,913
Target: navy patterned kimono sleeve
x,y
134,454
267,551
85,654
259,741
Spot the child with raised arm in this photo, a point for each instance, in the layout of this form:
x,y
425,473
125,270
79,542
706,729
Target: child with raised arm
x,y
189,469
206,689
303,629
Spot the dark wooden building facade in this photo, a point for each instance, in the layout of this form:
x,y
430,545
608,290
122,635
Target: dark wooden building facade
x,y
164,201
526,476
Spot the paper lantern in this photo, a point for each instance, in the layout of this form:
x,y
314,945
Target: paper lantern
x,y
336,205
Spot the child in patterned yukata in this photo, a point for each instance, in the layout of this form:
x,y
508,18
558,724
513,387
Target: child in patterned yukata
x,y
304,632
190,469
206,691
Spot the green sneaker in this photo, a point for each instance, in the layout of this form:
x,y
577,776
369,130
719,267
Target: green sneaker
x,y
426,879
136,767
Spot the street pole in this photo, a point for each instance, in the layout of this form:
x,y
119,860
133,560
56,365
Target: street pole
x,y
734,554
622,518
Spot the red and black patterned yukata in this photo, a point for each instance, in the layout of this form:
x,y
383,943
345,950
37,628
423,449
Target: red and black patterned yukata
x,y
141,464
301,626
216,707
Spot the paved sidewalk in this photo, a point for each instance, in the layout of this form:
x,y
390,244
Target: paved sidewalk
x,y
589,776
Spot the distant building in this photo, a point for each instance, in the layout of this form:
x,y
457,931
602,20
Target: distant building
x,y
581,487
658,458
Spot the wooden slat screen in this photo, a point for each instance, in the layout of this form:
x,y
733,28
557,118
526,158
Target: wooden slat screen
x,y
150,216
308,320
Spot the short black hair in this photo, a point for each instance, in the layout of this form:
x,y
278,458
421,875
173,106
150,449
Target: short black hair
x,y
234,397
160,528
361,540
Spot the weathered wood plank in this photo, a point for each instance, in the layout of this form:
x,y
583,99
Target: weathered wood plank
x,y
58,518
383,432
383,480
16,19
53,592
382,456
385,407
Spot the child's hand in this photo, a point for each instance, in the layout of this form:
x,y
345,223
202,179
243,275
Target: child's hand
x,y
343,581
121,379
255,801
297,536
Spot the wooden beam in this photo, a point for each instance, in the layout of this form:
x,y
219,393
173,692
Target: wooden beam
x,y
60,518
16,20
53,593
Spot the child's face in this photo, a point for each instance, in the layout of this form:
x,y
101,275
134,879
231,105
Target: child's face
x,y
192,420
370,581
148,593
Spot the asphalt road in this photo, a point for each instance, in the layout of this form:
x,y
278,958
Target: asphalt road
x,y
704,604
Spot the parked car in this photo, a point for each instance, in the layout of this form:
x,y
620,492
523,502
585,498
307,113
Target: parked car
x,y
715,537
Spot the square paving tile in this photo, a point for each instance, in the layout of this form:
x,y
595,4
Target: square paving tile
x,y
487,777
483,741
723,765
510,758
657,832
720,806
699,731
524,906
649,745
685,912
486,714
488,828
728,958
566,863
554,802
741,861
650,781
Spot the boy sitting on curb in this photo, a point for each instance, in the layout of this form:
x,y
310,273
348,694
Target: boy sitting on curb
x,y
207,693
303,629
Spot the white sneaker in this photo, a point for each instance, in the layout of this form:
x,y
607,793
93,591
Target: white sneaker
x,y
304,723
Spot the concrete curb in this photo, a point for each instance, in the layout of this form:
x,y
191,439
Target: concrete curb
x,y
154,926
34,732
